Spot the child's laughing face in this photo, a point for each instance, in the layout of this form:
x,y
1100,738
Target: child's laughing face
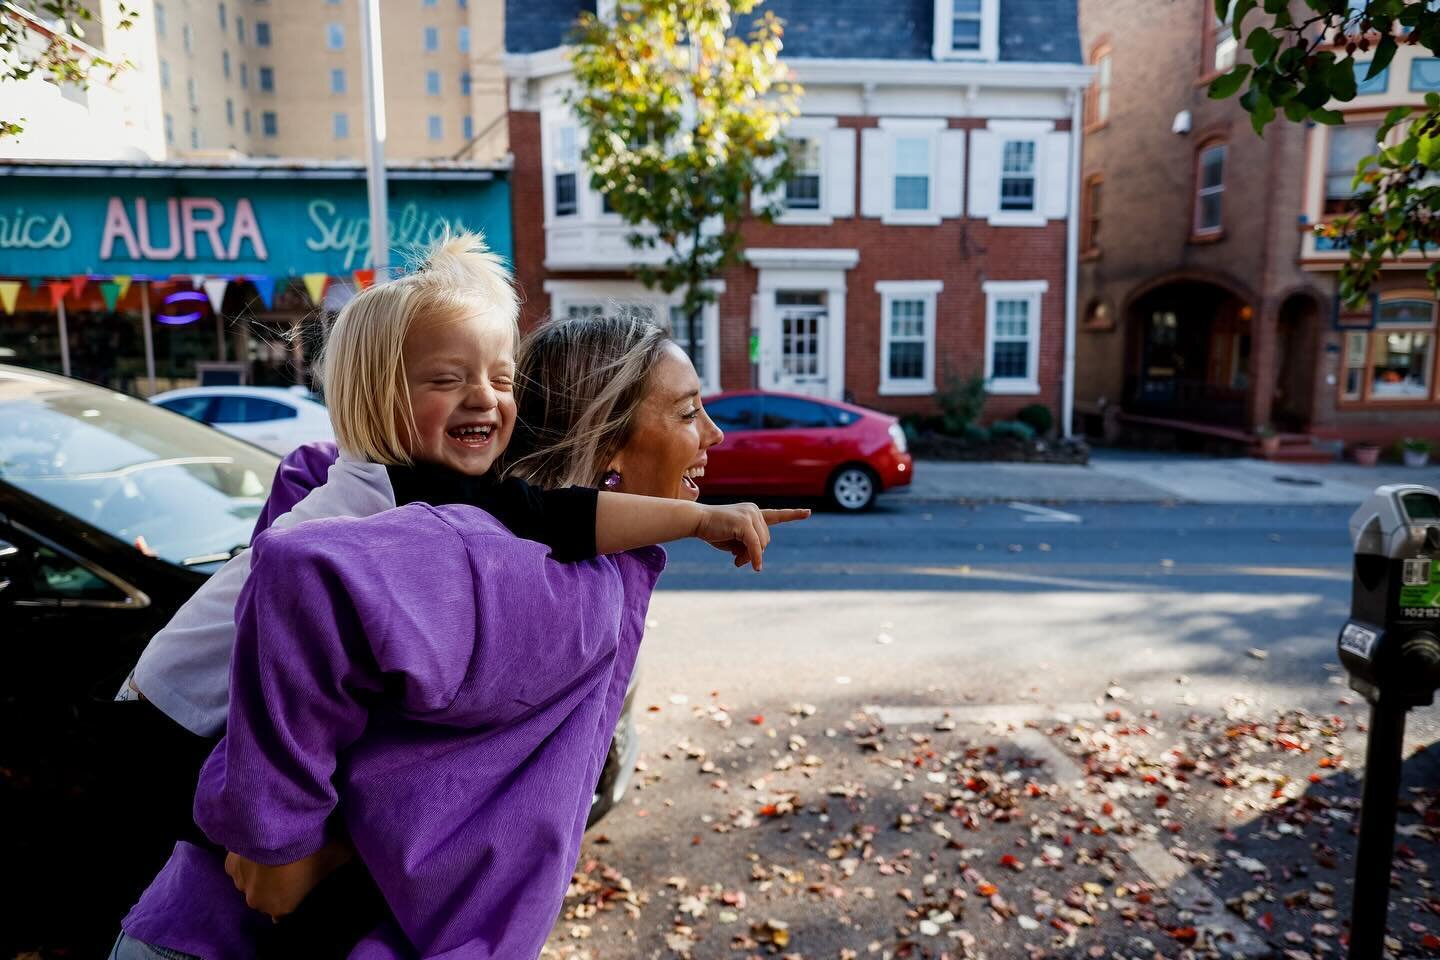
x,y
461,378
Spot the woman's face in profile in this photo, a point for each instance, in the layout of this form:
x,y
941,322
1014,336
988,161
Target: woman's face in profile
x,y
665,455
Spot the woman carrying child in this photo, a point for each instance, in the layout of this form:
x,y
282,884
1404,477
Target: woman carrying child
x,y
455,706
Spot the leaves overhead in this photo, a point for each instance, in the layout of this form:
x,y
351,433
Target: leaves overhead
x,y
1311,55
47,38
684,119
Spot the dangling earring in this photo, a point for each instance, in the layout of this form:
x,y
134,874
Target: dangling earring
x,y
612,480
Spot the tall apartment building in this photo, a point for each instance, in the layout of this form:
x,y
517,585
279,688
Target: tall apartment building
x,y
926,232
1209,304
282,78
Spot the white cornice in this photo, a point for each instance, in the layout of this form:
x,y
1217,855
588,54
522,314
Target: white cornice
x,y
815,70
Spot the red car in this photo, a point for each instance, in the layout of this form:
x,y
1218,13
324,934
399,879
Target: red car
x,y
783,444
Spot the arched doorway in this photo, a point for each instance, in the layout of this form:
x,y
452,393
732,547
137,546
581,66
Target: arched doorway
x,y
1296,344
1188,354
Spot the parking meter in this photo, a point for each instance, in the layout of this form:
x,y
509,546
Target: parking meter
x,y
1391,648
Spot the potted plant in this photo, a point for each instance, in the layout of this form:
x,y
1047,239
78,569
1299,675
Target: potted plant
x,y
1416,451
1366,454
1269,439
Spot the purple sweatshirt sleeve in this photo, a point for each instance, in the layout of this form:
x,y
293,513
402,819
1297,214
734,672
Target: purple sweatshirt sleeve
x,y
317,624
302,470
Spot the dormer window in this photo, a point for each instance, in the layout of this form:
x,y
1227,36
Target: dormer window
x,y
967,29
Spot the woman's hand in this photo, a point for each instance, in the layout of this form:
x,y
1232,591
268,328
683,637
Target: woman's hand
x,y
278,891
742,529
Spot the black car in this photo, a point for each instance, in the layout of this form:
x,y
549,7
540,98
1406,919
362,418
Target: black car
x,y
112,513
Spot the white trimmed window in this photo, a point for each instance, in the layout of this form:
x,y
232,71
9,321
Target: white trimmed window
x,y
566,172
1019,173
1012,335
580,298
1017,176
802,190
912,170
967,29
907,336
821,187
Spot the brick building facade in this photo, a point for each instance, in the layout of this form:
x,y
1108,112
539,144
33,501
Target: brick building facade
x,y
897,262
1207,304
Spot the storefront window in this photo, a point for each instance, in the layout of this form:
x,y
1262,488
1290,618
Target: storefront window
x,y
1401,357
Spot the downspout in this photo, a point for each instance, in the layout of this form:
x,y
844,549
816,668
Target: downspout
x,y
1072,262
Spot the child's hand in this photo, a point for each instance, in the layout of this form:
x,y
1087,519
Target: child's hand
x,y
742,529
278,891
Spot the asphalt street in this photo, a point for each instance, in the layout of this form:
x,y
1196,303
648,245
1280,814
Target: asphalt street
x,y
1003,730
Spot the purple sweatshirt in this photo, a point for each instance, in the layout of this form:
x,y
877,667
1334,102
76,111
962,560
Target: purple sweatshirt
x,y
454,707
302,470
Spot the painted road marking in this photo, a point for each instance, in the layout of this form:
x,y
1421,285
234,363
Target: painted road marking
x,y
1037,514
1188,890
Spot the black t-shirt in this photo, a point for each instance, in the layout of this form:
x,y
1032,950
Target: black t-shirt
x,y
563,520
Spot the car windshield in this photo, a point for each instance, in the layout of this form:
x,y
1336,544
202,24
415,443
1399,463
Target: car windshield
x,y
139,473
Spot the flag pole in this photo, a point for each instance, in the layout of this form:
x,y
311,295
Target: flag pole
x,y
374,82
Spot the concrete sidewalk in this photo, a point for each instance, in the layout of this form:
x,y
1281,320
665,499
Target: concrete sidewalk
x,y
1125,477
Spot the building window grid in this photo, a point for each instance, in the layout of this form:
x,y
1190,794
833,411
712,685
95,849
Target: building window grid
x,y
1010,349
266,76
802,190
335,36
1223,45
467,127
224,25
340,125
164,75
187,38
160,20
462,39
1017,177
1210,189
966,18
229,112
432,83
225,63
1395,361
1425,75
240,30
435,127
262,33
906,355
1097,100
244,76
269,123
337,80
466,83
430,38
1090,223
912,174
566,165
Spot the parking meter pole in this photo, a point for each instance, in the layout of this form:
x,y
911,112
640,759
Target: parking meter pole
x,y
1376,851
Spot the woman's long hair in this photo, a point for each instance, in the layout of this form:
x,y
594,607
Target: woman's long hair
x,y
578,385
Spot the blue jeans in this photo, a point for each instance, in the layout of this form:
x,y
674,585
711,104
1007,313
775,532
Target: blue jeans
x,y
128,948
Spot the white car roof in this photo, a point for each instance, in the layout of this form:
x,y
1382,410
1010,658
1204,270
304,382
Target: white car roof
x,y
282,394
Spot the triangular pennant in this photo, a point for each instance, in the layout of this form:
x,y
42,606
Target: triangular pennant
x,y
36,282
197,280
265,289
58,289
315,286
365,279
122,283
110,293
9,295
77,284
215,290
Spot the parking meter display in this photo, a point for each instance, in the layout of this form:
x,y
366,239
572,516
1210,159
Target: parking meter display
x,y
1420,589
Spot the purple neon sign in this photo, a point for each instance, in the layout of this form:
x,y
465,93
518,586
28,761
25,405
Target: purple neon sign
x,y
181,297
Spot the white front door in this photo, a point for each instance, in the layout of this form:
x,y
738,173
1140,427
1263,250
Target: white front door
x,y
802,334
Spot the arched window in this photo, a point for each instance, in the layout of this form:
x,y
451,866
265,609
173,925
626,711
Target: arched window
x,y
1097,98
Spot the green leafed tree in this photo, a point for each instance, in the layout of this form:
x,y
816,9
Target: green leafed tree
x,y
1304,54
684,121
46,38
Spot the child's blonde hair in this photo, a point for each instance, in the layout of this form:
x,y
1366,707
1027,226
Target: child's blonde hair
x,y
363,367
